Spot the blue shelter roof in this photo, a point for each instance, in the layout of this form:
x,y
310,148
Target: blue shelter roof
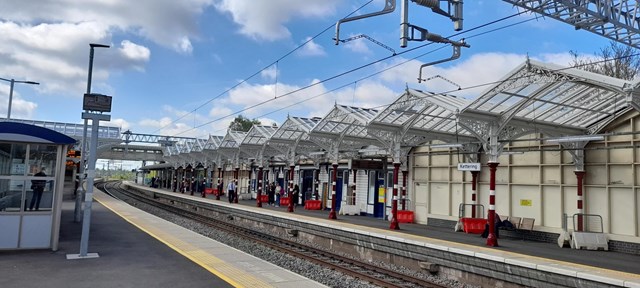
x,y
20,132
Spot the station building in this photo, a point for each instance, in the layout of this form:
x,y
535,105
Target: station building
x,y
555,144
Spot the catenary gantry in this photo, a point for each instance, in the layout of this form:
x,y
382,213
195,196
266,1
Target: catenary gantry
x,y
614,19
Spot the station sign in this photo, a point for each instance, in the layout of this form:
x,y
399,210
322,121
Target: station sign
x,y
468,166
361,164
96,102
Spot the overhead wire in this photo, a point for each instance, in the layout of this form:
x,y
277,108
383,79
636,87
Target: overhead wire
x,y
266,67
367,65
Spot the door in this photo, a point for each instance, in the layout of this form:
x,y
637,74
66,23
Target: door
x,y
421,195
339,181
380,195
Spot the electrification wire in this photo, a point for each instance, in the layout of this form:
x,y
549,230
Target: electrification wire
x,y
364,66
259,71
445,92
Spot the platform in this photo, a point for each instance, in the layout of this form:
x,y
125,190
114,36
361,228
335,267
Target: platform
x,y
137,249
619,269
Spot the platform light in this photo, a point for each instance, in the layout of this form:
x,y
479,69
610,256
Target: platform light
x,y
447,145
317,153
576,138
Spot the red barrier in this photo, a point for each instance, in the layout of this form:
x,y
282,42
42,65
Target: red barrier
x,y
208,190
405,216
264,198
312,205
284,201
473,225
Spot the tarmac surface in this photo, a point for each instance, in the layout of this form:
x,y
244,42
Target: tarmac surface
x,y
128,258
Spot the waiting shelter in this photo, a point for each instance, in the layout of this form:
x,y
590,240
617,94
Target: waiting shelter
x,y
32,165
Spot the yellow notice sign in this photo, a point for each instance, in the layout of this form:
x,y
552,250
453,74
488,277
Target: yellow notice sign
x,y
525,202
381,191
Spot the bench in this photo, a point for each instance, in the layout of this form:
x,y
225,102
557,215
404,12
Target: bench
x,y
520,225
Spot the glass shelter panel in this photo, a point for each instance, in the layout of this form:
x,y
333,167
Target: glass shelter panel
x,y
11,195
12,158
42,157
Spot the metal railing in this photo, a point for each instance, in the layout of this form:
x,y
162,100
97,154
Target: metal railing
x,y
587,223
464,208
71,129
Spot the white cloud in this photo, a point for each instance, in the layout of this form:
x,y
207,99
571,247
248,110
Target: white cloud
x,y
358,46
47,40
170,23
134,51
311,48
270,73
20,108
191,125
265,20
119,122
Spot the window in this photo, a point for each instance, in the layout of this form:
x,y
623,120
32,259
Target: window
x,y
13,159
11,195
42,156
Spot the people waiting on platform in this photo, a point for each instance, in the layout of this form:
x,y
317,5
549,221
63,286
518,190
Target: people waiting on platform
x,y
498,224
272,193
296,193
278,193
231,190
38,188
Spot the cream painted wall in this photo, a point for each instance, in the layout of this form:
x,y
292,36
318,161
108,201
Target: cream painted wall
x,y
539,184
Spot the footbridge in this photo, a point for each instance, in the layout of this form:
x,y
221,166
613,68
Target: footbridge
x,y
115,144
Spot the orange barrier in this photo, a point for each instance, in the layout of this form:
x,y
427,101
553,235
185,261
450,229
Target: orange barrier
x,y
264,198
405,216
312,205
284,201
473,225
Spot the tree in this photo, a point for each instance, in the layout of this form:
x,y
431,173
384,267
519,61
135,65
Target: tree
x,y
242,123
616,60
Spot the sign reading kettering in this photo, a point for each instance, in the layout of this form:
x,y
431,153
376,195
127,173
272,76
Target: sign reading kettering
x,y
468,166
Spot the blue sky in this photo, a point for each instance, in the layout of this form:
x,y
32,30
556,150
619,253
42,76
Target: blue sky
x,y
172,61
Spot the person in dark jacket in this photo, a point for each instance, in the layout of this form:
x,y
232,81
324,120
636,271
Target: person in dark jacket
x,y
37,185
272,193
296,194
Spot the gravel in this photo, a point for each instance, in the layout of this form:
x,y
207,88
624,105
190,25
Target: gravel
x,y
307,269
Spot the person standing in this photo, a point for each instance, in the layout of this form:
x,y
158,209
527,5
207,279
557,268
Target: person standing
x,y
231,189
278,193
296,193
272,193
37,185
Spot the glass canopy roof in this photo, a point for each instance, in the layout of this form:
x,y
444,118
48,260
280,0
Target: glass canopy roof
x,y
552,95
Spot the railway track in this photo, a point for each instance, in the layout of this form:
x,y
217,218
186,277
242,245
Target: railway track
x,y
377,275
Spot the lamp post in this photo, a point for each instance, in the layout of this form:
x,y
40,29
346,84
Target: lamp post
x,y
78,207
94,105
12,81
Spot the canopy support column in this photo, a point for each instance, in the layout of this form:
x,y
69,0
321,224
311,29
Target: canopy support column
x,y
219,183
290,207
394,201
334,179
492,240
259,198
474,189
580,177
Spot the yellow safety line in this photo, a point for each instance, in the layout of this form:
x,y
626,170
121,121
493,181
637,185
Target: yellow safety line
x,y
180,251
457,245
